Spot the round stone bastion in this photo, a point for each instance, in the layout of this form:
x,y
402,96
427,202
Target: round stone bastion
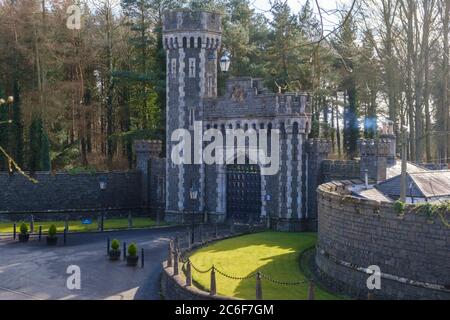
x,y
411,250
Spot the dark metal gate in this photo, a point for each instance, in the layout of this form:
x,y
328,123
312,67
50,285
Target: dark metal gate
x,y
244,193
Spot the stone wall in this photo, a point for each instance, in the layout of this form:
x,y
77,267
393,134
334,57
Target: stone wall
x,y
69,193
340,170
354,234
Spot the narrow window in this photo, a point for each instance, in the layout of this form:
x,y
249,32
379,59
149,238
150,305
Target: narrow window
x,y
173,69
191,117
192,67
210,86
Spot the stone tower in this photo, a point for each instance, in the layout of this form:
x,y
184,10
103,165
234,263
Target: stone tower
x,y
191,40
317,150
374,155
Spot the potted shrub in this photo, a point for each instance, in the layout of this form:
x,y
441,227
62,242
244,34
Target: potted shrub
x,y
114,252
24,236
132,257
52,239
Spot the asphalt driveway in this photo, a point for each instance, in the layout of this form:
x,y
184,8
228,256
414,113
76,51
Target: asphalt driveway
x,y
36,271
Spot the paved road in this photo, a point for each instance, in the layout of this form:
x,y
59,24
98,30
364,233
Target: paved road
x,y
35,271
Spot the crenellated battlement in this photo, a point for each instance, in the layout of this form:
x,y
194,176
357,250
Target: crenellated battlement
x,y
246,96
151,147
319,146
190,20
192,29
371,147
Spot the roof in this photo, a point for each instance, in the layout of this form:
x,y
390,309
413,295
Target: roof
x,y
396,169
425,184
374,194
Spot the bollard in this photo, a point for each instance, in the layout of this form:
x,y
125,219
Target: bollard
x,y
102,228
169,256
65,236
177,244
213,289
259,293
311,295
15,231
124,251
142,258
176,269
40,233
66,223
130,221
108,246
370,296
188,274
31,224
189,240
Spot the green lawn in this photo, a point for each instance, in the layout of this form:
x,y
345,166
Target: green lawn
x,y
77,226
275,254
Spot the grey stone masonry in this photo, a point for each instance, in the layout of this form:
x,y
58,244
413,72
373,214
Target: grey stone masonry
x,y
192,40
64,191
412,251
374,154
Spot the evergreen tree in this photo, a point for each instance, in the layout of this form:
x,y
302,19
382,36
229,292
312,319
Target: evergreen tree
x,y
17,127
4,131
345,45
39,147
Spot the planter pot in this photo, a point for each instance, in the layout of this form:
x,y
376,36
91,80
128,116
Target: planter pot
x,y
114,255
52,241
132,261
24,237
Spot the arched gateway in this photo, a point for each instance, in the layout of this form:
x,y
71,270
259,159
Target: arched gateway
x,y
244,197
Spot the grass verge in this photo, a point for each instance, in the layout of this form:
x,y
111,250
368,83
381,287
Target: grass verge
x,y
276,254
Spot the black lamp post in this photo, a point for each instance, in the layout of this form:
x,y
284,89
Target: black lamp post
x,y
103,184
194,196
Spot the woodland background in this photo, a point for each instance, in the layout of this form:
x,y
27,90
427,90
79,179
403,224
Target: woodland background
x,y
83,96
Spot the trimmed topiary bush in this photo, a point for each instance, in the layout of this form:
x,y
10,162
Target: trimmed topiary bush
x,y
23,228
52,239
132,250
24,236
132,257
114,252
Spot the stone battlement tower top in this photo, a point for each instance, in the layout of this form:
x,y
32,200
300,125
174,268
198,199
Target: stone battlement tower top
x,y
189,22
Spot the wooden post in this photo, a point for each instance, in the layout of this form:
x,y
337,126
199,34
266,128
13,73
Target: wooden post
x,y
259,293
213,289
66,223
188,274
169,256
311,295
31,224
176,269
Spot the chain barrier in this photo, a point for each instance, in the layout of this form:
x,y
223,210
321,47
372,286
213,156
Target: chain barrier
x,y
235,277
283,283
